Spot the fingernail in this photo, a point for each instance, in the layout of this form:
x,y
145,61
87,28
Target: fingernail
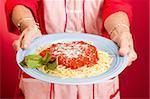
x,y
25,46
17,48
123,52
129,64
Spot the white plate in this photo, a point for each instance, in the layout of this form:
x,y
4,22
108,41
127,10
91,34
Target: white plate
x,y
118,65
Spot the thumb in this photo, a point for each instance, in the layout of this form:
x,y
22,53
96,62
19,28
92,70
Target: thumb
x,y
124,47
26,41
29,34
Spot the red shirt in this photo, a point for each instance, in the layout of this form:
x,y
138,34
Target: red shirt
x,y
36,6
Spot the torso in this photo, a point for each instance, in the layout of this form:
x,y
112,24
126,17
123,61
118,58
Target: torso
x,y
72,16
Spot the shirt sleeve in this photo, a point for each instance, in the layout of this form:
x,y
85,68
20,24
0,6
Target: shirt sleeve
x,y
10,4
112,6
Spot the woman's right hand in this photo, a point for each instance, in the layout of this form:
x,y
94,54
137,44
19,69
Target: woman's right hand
x,y
28,34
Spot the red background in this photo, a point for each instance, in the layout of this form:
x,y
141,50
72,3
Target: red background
x,y
134,82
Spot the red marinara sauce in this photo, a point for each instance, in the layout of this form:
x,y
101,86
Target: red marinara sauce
x,y
73,54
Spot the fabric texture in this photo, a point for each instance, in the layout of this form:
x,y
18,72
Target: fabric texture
x,y
104,90
37,8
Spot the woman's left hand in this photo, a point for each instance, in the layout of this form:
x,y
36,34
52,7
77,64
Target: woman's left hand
x,y
125,42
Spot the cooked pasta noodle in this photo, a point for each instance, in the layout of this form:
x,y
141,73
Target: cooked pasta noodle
x,y
103,64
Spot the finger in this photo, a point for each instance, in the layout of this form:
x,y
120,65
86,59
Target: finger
x,y
129,63
124,46
26,41
132,53
16,45
21,36
131,42
132,56
29,36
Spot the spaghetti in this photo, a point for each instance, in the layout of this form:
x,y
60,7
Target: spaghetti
x,y
77,59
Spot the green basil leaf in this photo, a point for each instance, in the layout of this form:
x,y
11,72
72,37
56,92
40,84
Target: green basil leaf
x,y
23,64
46,58
45,67
52,65
34,64
33,61
33,57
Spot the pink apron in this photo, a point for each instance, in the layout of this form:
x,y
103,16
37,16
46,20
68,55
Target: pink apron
x,y
71,16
